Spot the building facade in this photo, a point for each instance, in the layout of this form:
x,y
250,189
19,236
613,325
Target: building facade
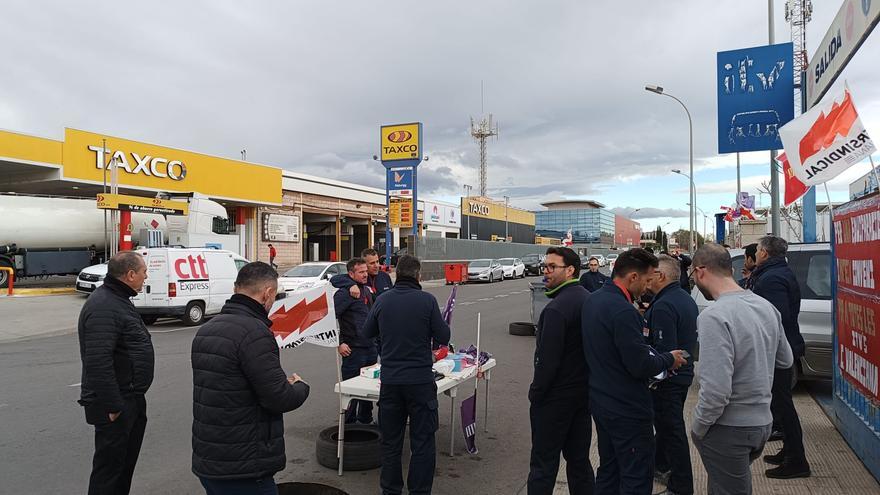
x,y
626,232
589,222
487,220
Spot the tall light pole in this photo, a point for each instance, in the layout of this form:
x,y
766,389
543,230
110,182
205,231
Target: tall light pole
x,y
659,91
506,204
693,206
705,218
467,194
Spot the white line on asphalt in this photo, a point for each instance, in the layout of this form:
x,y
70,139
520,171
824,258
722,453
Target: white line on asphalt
x,y
502,295
468,303
484,299
171,330
75,384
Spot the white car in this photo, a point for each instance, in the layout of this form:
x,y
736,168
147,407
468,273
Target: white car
x,y
308,275
90,278
611,259
485,271
513,268
601,259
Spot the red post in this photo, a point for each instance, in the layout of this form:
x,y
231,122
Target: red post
x,y
125,243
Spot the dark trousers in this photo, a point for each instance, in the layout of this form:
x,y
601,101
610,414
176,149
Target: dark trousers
x,y
728,453
782,406
251,486
626,454
358,410
673,453
117,446
561,425
419,404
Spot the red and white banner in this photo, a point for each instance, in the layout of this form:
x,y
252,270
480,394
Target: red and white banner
x,y
857,306
826,140
306,317
794,188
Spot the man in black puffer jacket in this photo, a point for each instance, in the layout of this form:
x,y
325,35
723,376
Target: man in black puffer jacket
x,y
117,370
240,391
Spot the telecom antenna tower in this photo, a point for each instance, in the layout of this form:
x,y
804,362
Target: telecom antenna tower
x,y
481,132
798,13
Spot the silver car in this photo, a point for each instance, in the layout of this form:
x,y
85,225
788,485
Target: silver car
x,y
485,271
811,264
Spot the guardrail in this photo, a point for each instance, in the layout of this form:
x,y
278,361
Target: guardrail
x,y
11,272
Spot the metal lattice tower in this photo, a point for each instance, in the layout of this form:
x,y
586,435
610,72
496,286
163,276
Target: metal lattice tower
x,y
798,13
481,132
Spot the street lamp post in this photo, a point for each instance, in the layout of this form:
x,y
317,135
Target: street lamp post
x,y
467,194
692,204
693,193
506,205
705,219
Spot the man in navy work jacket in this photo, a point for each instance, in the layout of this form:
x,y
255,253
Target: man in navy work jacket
x,y
378,281
774,281
672,324
559,394
407,320
356,350
620,364
593,279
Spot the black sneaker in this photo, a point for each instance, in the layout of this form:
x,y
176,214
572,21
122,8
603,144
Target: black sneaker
x,y
776,459
776,435
789,469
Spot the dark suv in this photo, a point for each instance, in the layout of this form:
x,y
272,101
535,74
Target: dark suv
x,y
533,263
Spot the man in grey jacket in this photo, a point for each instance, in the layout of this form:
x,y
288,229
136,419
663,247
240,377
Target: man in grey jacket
x,y
742,337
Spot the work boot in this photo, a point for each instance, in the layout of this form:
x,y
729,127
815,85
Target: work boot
x,y
776,435
789,469
776,459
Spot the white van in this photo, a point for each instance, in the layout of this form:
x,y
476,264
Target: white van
x,y
188,283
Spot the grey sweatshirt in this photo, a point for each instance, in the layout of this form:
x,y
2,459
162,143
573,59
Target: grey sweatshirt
x,y
741,343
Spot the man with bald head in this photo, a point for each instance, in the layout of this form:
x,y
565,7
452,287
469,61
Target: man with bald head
x,y
672,324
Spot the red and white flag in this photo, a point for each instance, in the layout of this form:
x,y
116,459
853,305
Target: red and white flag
x,y
306,316
794,188
826,140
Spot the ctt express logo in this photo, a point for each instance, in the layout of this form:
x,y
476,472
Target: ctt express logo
x,y
191,268
151,166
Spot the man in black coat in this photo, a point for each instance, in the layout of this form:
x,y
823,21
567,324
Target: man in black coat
x,y
684,263
774,281
356,350
620,364
240,391
117,370
672,324
408,320
559,393
593,279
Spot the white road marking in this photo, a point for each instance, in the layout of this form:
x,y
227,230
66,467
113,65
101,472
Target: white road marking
x,y
484,299
501,295
75,384
171,330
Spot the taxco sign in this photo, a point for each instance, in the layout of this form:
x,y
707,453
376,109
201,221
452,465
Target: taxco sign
x,y
478,208
133,163
401,142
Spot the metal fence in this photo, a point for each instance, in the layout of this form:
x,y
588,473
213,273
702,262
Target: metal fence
x,y
443,249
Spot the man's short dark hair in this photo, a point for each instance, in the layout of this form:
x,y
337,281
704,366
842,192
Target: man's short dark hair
x,y
752,251
634,260
255,276
775,246
353,263
569,257
123,262
369,252
408,266
715,259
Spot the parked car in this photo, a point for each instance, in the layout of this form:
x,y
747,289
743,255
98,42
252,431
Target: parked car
x,y
90,278
485,270
611,258
600,258
533,263
811,264
585,261
307,275
512,268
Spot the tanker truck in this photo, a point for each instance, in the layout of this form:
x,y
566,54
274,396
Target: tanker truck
x,y
42,235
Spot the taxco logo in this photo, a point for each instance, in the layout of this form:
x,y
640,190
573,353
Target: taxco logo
x,y
479,208
151,166
399,136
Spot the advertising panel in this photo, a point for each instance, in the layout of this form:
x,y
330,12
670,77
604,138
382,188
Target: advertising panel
x,y
141,204
442,215
401,142
857,302
400,181
755,97
400,212
280,228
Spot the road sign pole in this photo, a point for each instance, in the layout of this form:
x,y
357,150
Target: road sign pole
x,y
389,239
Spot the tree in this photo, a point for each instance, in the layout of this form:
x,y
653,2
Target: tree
x,y
683,237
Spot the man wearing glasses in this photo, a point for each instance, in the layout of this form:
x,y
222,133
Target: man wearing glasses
x,y
593,279
559,393
620,364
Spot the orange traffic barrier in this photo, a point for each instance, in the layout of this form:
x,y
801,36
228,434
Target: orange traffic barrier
x,y
11,278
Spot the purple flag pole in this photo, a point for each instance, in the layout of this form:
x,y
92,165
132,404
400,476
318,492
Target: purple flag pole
x,y
469,406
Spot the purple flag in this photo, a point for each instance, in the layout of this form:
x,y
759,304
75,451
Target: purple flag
x,y
469,423
450,306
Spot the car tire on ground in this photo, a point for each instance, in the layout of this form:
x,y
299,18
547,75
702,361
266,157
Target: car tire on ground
x,y
194,313
361,451
491,278
522,328
149,319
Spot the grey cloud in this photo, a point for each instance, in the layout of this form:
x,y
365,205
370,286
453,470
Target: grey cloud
x,y
646,213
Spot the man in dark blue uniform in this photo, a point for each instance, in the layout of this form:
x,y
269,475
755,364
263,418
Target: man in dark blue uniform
x,y
560,409
593,279
672,324
407,320
356,350
620,364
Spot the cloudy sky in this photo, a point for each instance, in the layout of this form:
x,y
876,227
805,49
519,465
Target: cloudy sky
x,y
305,85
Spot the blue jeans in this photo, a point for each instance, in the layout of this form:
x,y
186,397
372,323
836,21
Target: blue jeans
x,y
250,486
358,410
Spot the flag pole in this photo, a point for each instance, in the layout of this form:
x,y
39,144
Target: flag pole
x,y
342,407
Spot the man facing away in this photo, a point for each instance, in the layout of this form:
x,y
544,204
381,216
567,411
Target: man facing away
x,y
559,393
620,364
672,324
742,341
117,370
357,351
593,279
240,392
407,319
774,281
